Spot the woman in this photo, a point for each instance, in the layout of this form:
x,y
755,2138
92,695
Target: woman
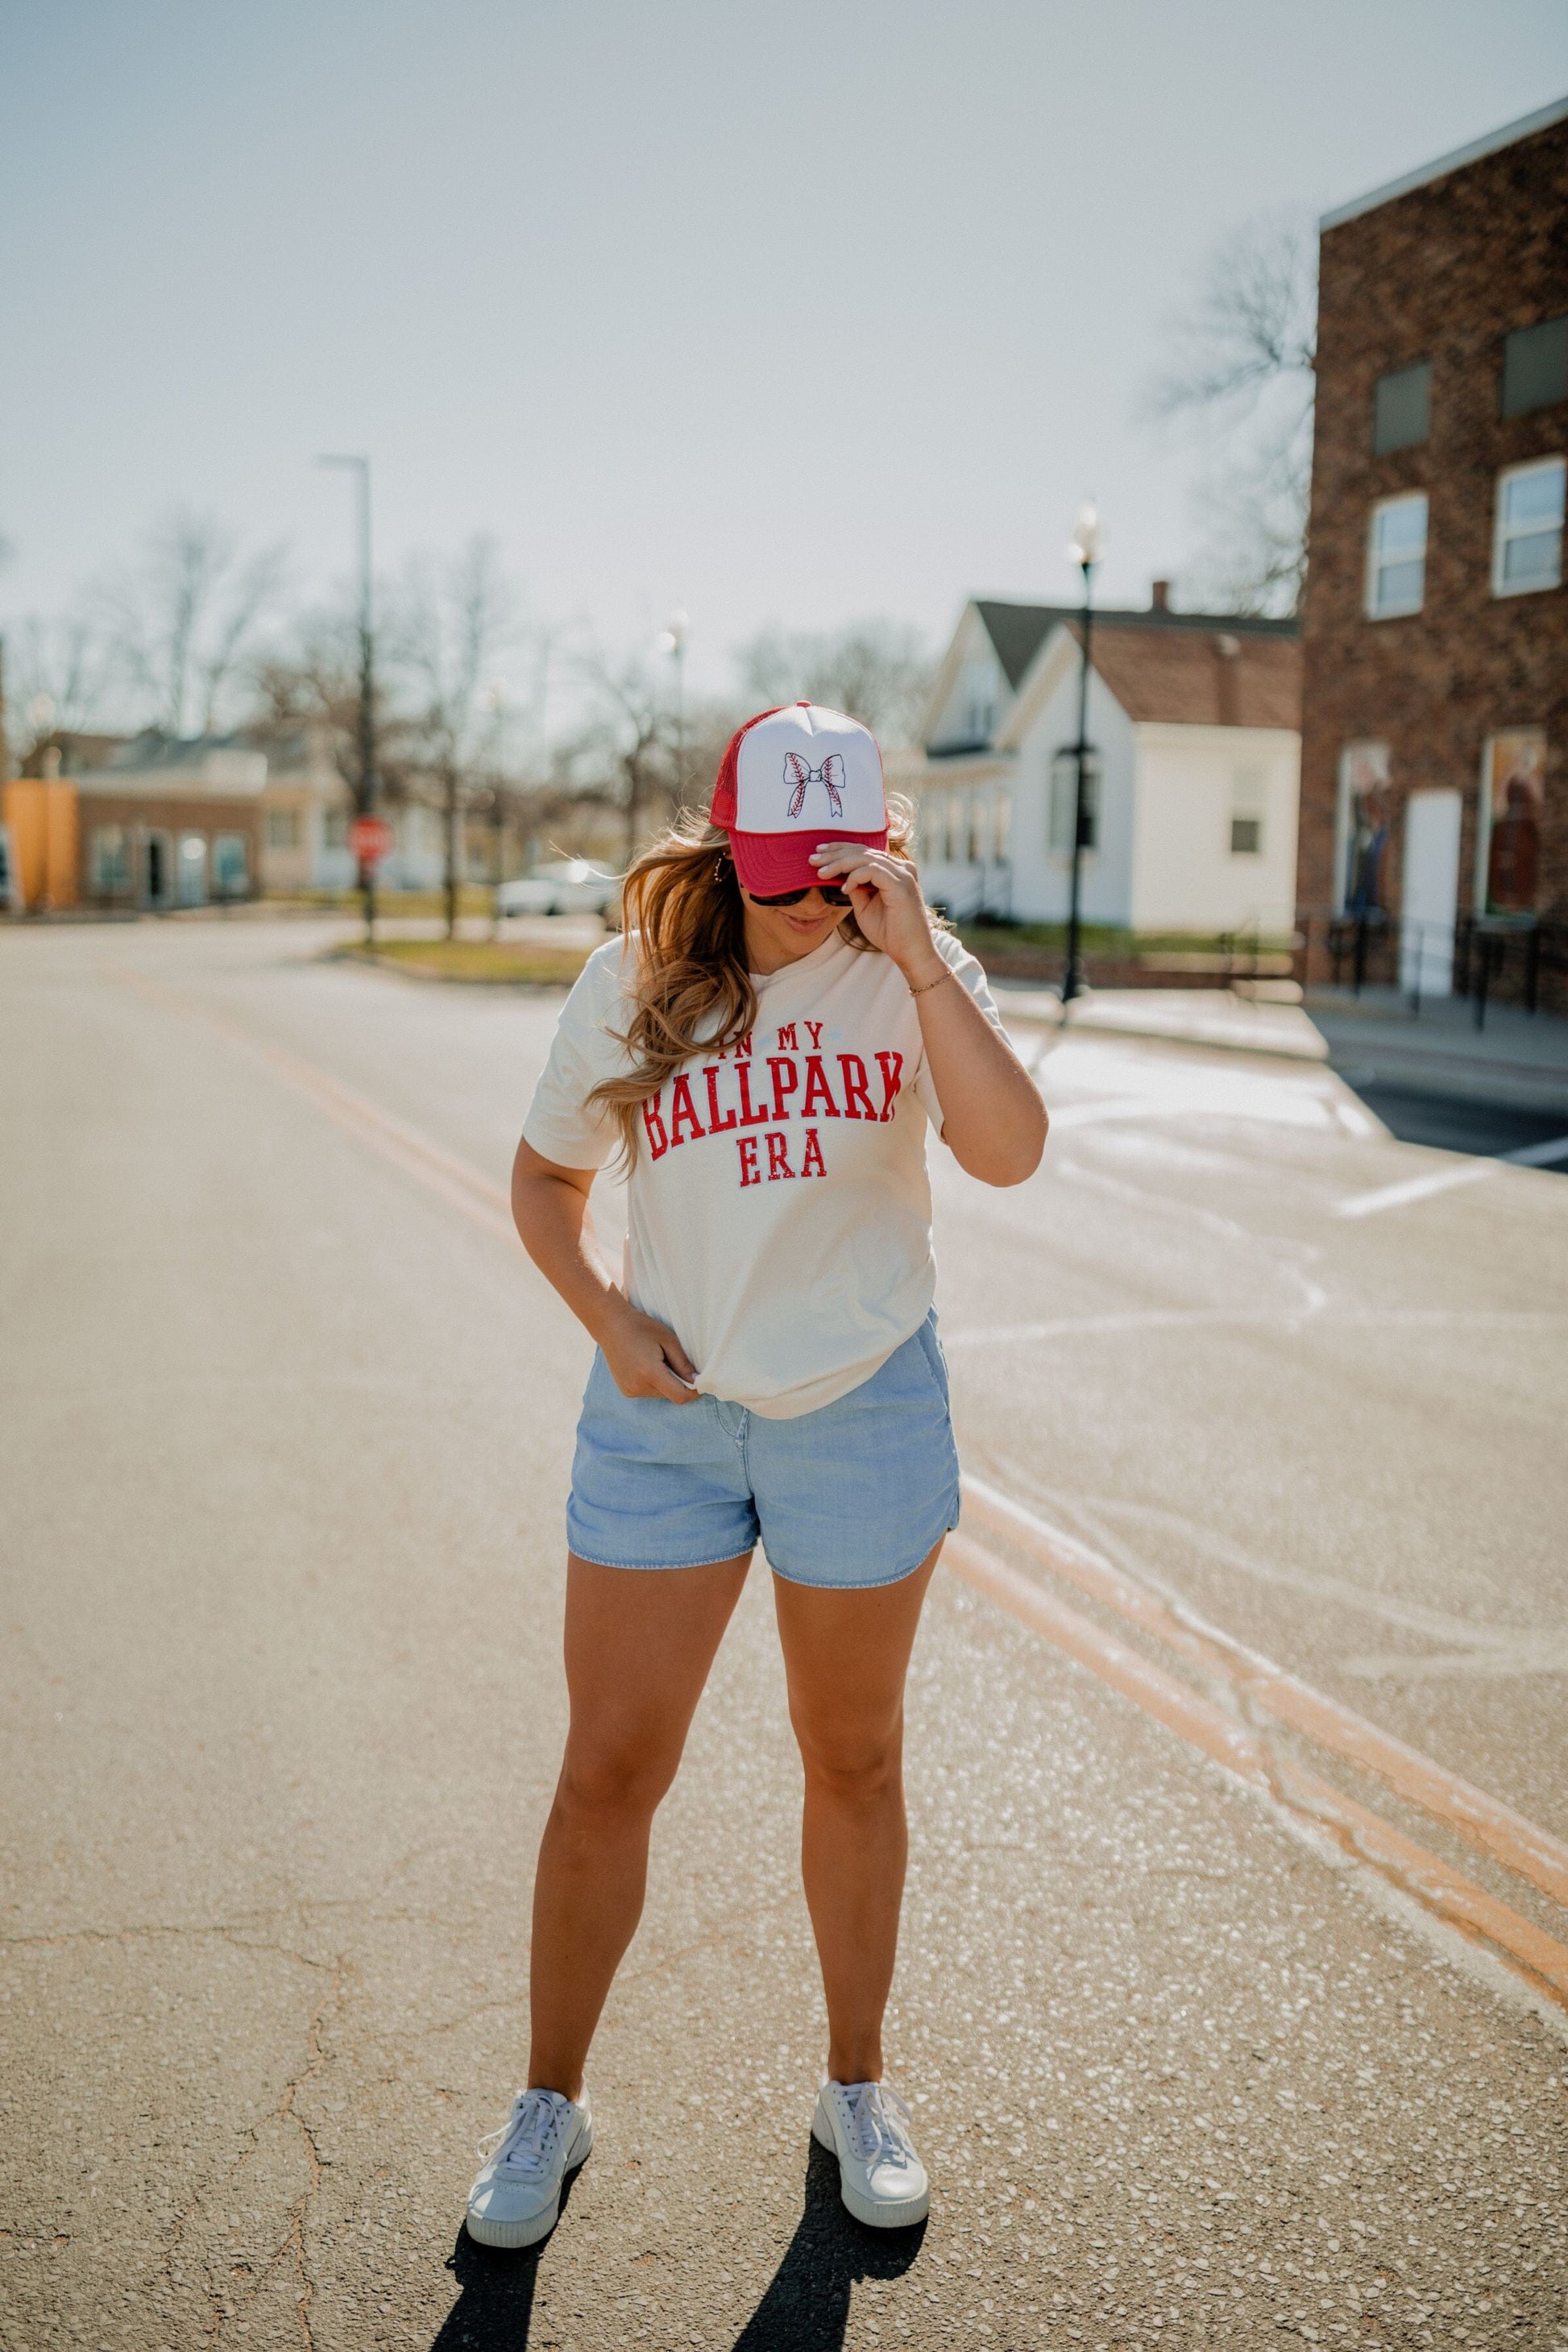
x,y
765,1050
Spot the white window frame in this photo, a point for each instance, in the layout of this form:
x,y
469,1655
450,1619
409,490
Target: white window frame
x,y
1375,610
1502,537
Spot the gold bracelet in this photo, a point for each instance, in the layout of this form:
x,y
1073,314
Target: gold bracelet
x,y
926,985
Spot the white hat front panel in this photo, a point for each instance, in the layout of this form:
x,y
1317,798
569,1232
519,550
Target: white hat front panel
x,y
806,770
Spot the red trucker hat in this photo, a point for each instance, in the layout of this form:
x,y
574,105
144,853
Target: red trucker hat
x,y
792,780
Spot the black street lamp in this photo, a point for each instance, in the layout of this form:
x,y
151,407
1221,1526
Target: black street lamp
x,y
369,782
1086,548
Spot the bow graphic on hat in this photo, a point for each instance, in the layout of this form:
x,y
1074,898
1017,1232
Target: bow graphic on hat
x,y
799,772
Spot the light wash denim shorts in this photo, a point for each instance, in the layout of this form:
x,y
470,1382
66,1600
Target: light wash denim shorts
x,y
853,1494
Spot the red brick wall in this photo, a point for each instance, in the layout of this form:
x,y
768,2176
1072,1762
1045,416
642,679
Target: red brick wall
x,y
203,814
1443,273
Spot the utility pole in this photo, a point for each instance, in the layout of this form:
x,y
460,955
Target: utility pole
x,y
369,791
1086,548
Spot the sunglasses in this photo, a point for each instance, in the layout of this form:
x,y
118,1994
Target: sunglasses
x,y
831,897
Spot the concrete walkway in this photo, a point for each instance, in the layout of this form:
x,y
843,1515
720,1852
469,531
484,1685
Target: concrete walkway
x,y
1519,1058
1193,1016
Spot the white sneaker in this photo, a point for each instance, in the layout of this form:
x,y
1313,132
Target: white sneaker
x,y
881,2178
517,2196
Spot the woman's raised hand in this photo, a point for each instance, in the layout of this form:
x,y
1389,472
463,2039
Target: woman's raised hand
x,y
645,1359
885,893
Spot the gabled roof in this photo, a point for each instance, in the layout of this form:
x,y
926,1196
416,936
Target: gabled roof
x,y
1191,670
1216,677
1018,631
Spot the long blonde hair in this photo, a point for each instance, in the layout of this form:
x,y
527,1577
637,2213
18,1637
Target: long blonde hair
x,y
684,924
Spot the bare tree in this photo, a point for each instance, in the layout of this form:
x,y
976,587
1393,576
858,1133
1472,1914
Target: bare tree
x,y
55,683
877,671
1242,366
453,627
628,734
312,679
183,622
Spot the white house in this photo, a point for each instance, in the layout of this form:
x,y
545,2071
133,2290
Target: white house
x,y
1195,723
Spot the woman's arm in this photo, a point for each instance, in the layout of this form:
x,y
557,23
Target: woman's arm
x,y
994,1121
550,1209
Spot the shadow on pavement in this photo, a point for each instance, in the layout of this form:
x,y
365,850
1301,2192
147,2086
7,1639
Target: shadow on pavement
x,y
808,2302
495,2293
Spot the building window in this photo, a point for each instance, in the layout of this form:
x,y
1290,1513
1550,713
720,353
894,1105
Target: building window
x,y
231,865
1402,408
1527,544
1064,800
1396,556
1248,787
336,834
1513,804
1366,801
978,814
111,861
282,829
1535,367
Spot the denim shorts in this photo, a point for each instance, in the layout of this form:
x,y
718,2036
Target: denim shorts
x,y
854,1494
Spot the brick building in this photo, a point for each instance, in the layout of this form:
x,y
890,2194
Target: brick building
x,y
1435,737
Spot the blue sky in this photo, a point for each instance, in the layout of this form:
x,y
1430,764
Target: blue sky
x,y
785,314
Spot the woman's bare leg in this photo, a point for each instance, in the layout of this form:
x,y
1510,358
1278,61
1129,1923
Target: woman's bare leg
x,y
639,1643
846,1657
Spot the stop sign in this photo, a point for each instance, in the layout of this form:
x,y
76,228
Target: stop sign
x,y
370,839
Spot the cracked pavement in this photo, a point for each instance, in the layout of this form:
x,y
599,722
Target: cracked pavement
x,y
284,1442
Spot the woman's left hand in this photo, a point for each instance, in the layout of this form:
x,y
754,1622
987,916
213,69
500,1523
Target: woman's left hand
x,y
885,893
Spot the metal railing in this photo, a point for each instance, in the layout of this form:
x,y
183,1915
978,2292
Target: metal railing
x,y
1486,959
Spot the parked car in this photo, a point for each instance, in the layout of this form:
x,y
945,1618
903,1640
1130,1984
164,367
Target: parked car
x,y
564,886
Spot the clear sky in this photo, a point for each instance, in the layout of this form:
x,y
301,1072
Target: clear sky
x,y
787,314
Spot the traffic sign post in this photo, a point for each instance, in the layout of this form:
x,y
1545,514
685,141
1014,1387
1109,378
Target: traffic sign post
x,y
371,838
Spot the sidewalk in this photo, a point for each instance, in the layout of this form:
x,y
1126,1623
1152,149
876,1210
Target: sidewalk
x,y
1520,1059
1190,1016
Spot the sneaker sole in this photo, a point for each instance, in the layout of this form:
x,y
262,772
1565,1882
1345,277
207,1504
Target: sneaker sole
x,y
511,2236
903,2214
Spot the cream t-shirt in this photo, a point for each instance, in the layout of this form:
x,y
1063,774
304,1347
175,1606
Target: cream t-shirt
x,y
779,1212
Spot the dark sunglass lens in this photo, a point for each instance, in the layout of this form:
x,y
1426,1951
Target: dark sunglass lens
x,y
779,899
834,896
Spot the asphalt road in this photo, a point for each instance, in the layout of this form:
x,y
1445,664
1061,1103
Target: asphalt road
x,y
1227,2015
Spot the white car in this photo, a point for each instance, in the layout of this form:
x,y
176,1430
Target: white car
x,y
566,885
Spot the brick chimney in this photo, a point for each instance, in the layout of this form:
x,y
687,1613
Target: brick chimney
x,y
1159,596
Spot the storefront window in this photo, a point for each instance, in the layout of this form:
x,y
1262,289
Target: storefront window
x,y
109,864
1513,796
231,865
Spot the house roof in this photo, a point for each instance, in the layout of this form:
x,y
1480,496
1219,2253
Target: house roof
x,y
1018,631
154,750
1226,677
1192,669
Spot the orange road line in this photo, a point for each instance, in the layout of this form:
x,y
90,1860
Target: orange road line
x,y
1195,1718
441,1171
1430,1881
1486,1823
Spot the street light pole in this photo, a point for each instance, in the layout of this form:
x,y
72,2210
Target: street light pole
x,y
369,782
1086,548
